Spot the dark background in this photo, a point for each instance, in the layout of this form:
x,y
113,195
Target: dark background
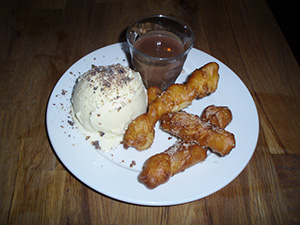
x,y
286,13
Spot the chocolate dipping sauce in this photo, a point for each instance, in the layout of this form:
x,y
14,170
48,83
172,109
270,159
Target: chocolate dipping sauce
x,y
165,63
161,45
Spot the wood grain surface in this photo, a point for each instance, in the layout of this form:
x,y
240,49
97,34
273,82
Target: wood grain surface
x,y
40,40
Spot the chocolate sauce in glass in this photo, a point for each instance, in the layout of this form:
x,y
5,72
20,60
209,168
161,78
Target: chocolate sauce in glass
x,y
160,71
159,45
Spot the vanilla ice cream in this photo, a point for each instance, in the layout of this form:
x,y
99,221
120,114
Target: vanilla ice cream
x,y
105,100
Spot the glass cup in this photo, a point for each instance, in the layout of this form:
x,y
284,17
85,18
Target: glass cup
x,y
158,47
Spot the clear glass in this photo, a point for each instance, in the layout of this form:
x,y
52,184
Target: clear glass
x,y
160,71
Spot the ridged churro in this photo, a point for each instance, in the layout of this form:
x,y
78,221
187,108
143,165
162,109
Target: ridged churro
x,y
203,81
189,127
159,168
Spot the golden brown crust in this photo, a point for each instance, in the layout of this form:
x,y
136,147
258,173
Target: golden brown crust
x,y
220,116
156,170
159,168
189,127
182,155
203,81
141,133
152,93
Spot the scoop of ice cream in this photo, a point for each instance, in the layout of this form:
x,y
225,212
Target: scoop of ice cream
x,y
105,100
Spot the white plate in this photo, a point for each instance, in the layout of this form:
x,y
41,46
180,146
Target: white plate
x,y
115,173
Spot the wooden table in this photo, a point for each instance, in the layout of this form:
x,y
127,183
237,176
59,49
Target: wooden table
x,y
40,40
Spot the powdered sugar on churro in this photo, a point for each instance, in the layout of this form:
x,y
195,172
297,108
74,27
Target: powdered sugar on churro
x,y
178,146
190,128
173,149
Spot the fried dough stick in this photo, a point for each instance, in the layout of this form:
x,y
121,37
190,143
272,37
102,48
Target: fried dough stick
x,y
159,168
189,127
203,81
